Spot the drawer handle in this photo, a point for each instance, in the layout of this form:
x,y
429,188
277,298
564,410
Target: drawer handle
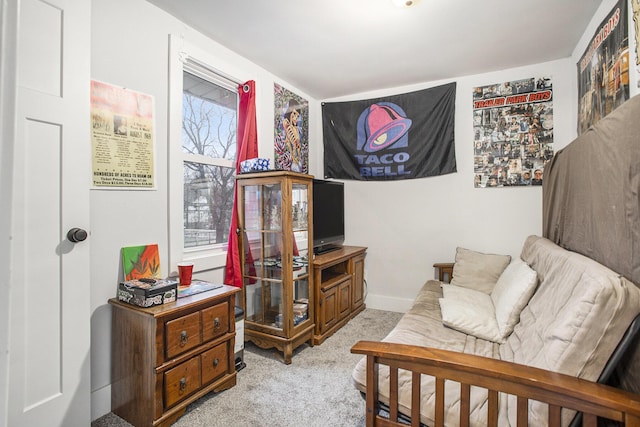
x,y
183,338
216,361
183,384
216,323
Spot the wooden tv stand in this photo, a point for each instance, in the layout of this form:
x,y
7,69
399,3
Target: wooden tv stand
x,y
338,282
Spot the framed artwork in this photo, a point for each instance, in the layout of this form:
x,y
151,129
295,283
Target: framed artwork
x,y
291,131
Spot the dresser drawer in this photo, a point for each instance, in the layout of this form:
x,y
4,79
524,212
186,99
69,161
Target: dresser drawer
x,y
215,362
181,381
215,321
160,355
183,334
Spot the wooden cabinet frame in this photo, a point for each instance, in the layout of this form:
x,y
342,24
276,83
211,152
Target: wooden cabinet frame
x,y
270,284
165,357
339,289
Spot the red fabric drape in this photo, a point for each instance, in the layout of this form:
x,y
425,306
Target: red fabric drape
x,y
247,149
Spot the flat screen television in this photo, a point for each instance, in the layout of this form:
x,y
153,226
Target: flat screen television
x,y
328,215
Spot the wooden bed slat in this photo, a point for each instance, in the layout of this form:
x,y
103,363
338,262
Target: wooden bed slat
x,y
527,383
522,412
554,416
439,415
393,394
492,412
372,390
415,399
465,404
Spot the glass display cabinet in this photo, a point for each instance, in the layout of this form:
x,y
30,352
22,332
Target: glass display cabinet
x,y
274,211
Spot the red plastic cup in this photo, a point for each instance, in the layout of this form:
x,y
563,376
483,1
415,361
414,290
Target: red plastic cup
x,y
185,271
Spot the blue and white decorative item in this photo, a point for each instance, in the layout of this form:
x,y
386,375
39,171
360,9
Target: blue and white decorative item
x,y
257,164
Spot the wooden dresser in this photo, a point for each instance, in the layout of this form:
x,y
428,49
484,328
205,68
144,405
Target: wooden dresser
x,y
338,280
165,357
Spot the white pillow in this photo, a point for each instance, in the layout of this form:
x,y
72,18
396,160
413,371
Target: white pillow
x,y
461,293
511,294
469,311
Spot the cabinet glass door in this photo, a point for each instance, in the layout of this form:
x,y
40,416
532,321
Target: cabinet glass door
x,y
276,251
300,263
263,254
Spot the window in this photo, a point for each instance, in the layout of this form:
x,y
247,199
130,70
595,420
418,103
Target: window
x,y
203,105
209,128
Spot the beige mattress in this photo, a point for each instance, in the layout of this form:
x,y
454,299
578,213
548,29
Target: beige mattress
x,y
422,325
571,325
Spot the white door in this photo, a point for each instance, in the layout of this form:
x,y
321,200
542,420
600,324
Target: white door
x,y
49,323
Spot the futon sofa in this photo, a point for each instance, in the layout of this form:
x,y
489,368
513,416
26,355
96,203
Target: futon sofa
x,y
550,309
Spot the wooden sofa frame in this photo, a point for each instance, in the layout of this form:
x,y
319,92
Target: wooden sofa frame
x,y
559,391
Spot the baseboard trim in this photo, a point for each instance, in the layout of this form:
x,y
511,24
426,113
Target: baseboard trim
x,y
100,402
385,302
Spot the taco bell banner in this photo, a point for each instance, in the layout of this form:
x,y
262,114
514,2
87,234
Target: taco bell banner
x,y
395,137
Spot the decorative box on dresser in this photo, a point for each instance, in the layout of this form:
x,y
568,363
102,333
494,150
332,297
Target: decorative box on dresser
x,y
338,278
167,356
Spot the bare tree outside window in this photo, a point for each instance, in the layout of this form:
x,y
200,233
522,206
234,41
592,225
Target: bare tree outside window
x,y
209,129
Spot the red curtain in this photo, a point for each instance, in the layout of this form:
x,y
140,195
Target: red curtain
x,y
247,149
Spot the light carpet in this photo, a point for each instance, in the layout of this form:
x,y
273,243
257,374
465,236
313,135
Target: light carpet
x,y
314,390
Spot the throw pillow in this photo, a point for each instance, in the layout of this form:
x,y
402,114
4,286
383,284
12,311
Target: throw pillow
x,y
511,294
477,270
469,311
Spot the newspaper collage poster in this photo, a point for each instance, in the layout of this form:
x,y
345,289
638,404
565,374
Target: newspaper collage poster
x,y
513,132
291,131
121,137
603,69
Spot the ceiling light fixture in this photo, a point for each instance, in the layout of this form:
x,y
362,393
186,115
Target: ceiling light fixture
x,y
404,3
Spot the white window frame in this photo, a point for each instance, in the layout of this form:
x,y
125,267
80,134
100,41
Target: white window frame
x,y
186,57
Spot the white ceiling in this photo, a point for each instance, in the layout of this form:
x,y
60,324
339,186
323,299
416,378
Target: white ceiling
x,y
331,48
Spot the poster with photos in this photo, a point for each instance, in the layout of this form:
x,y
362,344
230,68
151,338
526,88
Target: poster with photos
x,y
291,131
513,132
603,69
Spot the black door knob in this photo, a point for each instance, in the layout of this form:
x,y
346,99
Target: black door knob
x,y
76,235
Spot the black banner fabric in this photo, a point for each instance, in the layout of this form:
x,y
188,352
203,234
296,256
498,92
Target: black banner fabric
x,y
395,137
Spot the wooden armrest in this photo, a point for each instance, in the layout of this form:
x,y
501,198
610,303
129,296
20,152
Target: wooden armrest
x,y
526,382
445,271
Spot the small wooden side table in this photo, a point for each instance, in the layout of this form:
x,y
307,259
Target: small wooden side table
x,y
445,271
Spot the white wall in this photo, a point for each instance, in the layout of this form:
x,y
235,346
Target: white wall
x,y
410,225
130,48
407,225
8,55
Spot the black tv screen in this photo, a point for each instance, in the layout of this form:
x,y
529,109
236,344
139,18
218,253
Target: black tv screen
x,y
328,215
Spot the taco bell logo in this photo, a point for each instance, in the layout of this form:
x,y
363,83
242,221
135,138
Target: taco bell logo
x,y
381,128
